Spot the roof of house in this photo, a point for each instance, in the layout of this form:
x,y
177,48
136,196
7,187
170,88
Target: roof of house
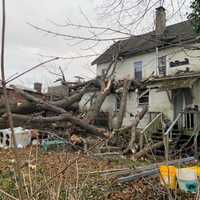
x,y
140,44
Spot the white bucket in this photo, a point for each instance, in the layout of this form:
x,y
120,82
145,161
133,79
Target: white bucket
x,y
187,179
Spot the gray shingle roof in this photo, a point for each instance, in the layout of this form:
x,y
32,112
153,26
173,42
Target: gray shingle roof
x,y
140,44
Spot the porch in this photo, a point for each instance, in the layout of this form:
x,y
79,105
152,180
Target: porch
x,y
185,125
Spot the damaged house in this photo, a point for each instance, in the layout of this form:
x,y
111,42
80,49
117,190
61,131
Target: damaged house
x,y
166,63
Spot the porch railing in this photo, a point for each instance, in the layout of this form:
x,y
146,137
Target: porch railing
x,y
186,121
151,128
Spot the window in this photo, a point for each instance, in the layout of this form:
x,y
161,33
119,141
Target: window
x,y
143,97
138,70
162,65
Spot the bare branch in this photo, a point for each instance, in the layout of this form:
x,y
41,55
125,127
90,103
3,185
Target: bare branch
x,y
74,36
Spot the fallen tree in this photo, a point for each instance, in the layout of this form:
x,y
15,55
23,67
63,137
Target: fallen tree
x,y
64,115
123,103
147,149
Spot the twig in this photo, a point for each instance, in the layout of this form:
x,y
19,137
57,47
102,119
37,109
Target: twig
x,y
32,68
8,195
10,120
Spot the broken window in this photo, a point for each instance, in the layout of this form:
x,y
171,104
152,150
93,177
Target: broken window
x,y
138,70
162,65
143,97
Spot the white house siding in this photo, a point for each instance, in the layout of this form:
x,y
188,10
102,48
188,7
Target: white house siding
x,y
133,108
125,68
159,102
196,93
109,104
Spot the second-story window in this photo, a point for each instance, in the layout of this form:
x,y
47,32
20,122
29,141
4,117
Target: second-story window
x,y
162,65
138,70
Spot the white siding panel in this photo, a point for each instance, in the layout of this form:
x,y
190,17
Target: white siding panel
x,y
125,68
159,102
109,104
196,93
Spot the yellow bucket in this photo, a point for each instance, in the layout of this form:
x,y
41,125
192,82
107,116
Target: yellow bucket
x,y
197,170
168,176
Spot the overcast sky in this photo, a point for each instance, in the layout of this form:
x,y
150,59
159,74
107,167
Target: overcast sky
x,y
24,45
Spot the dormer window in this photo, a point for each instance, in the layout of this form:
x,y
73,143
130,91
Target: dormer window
x,y
138,70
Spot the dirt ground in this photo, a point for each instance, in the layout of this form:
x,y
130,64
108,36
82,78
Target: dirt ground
x,y
78,176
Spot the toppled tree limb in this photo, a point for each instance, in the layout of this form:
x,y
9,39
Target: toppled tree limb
x,y
45,105
79,85
133,127
64,116
123,103
23,108
128,128
96,106
147,149
68,101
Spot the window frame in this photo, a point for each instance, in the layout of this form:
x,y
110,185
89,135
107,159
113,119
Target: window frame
x,y
138,64
143,97
161,65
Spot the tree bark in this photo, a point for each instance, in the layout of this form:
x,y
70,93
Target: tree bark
x,y
43,104
138,117
96,106
63,117
68,101
123,103
24,108
147,149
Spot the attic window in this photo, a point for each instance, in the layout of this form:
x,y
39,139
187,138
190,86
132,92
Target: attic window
x,y
143,97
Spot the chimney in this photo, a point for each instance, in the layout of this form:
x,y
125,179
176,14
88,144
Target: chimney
x,y
38,87
160,20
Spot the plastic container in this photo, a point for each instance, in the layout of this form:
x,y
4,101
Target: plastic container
x,y
168,176
197,169
187,179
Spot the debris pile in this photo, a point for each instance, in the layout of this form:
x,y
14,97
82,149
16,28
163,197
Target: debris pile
x,y
79,122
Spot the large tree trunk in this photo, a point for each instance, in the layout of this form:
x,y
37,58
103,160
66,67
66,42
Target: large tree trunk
x,y
43,104
64,115
123,103
147,149
96,106
23,108
68,101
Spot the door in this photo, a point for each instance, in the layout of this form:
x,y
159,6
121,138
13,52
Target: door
x,y
178,98
182,99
